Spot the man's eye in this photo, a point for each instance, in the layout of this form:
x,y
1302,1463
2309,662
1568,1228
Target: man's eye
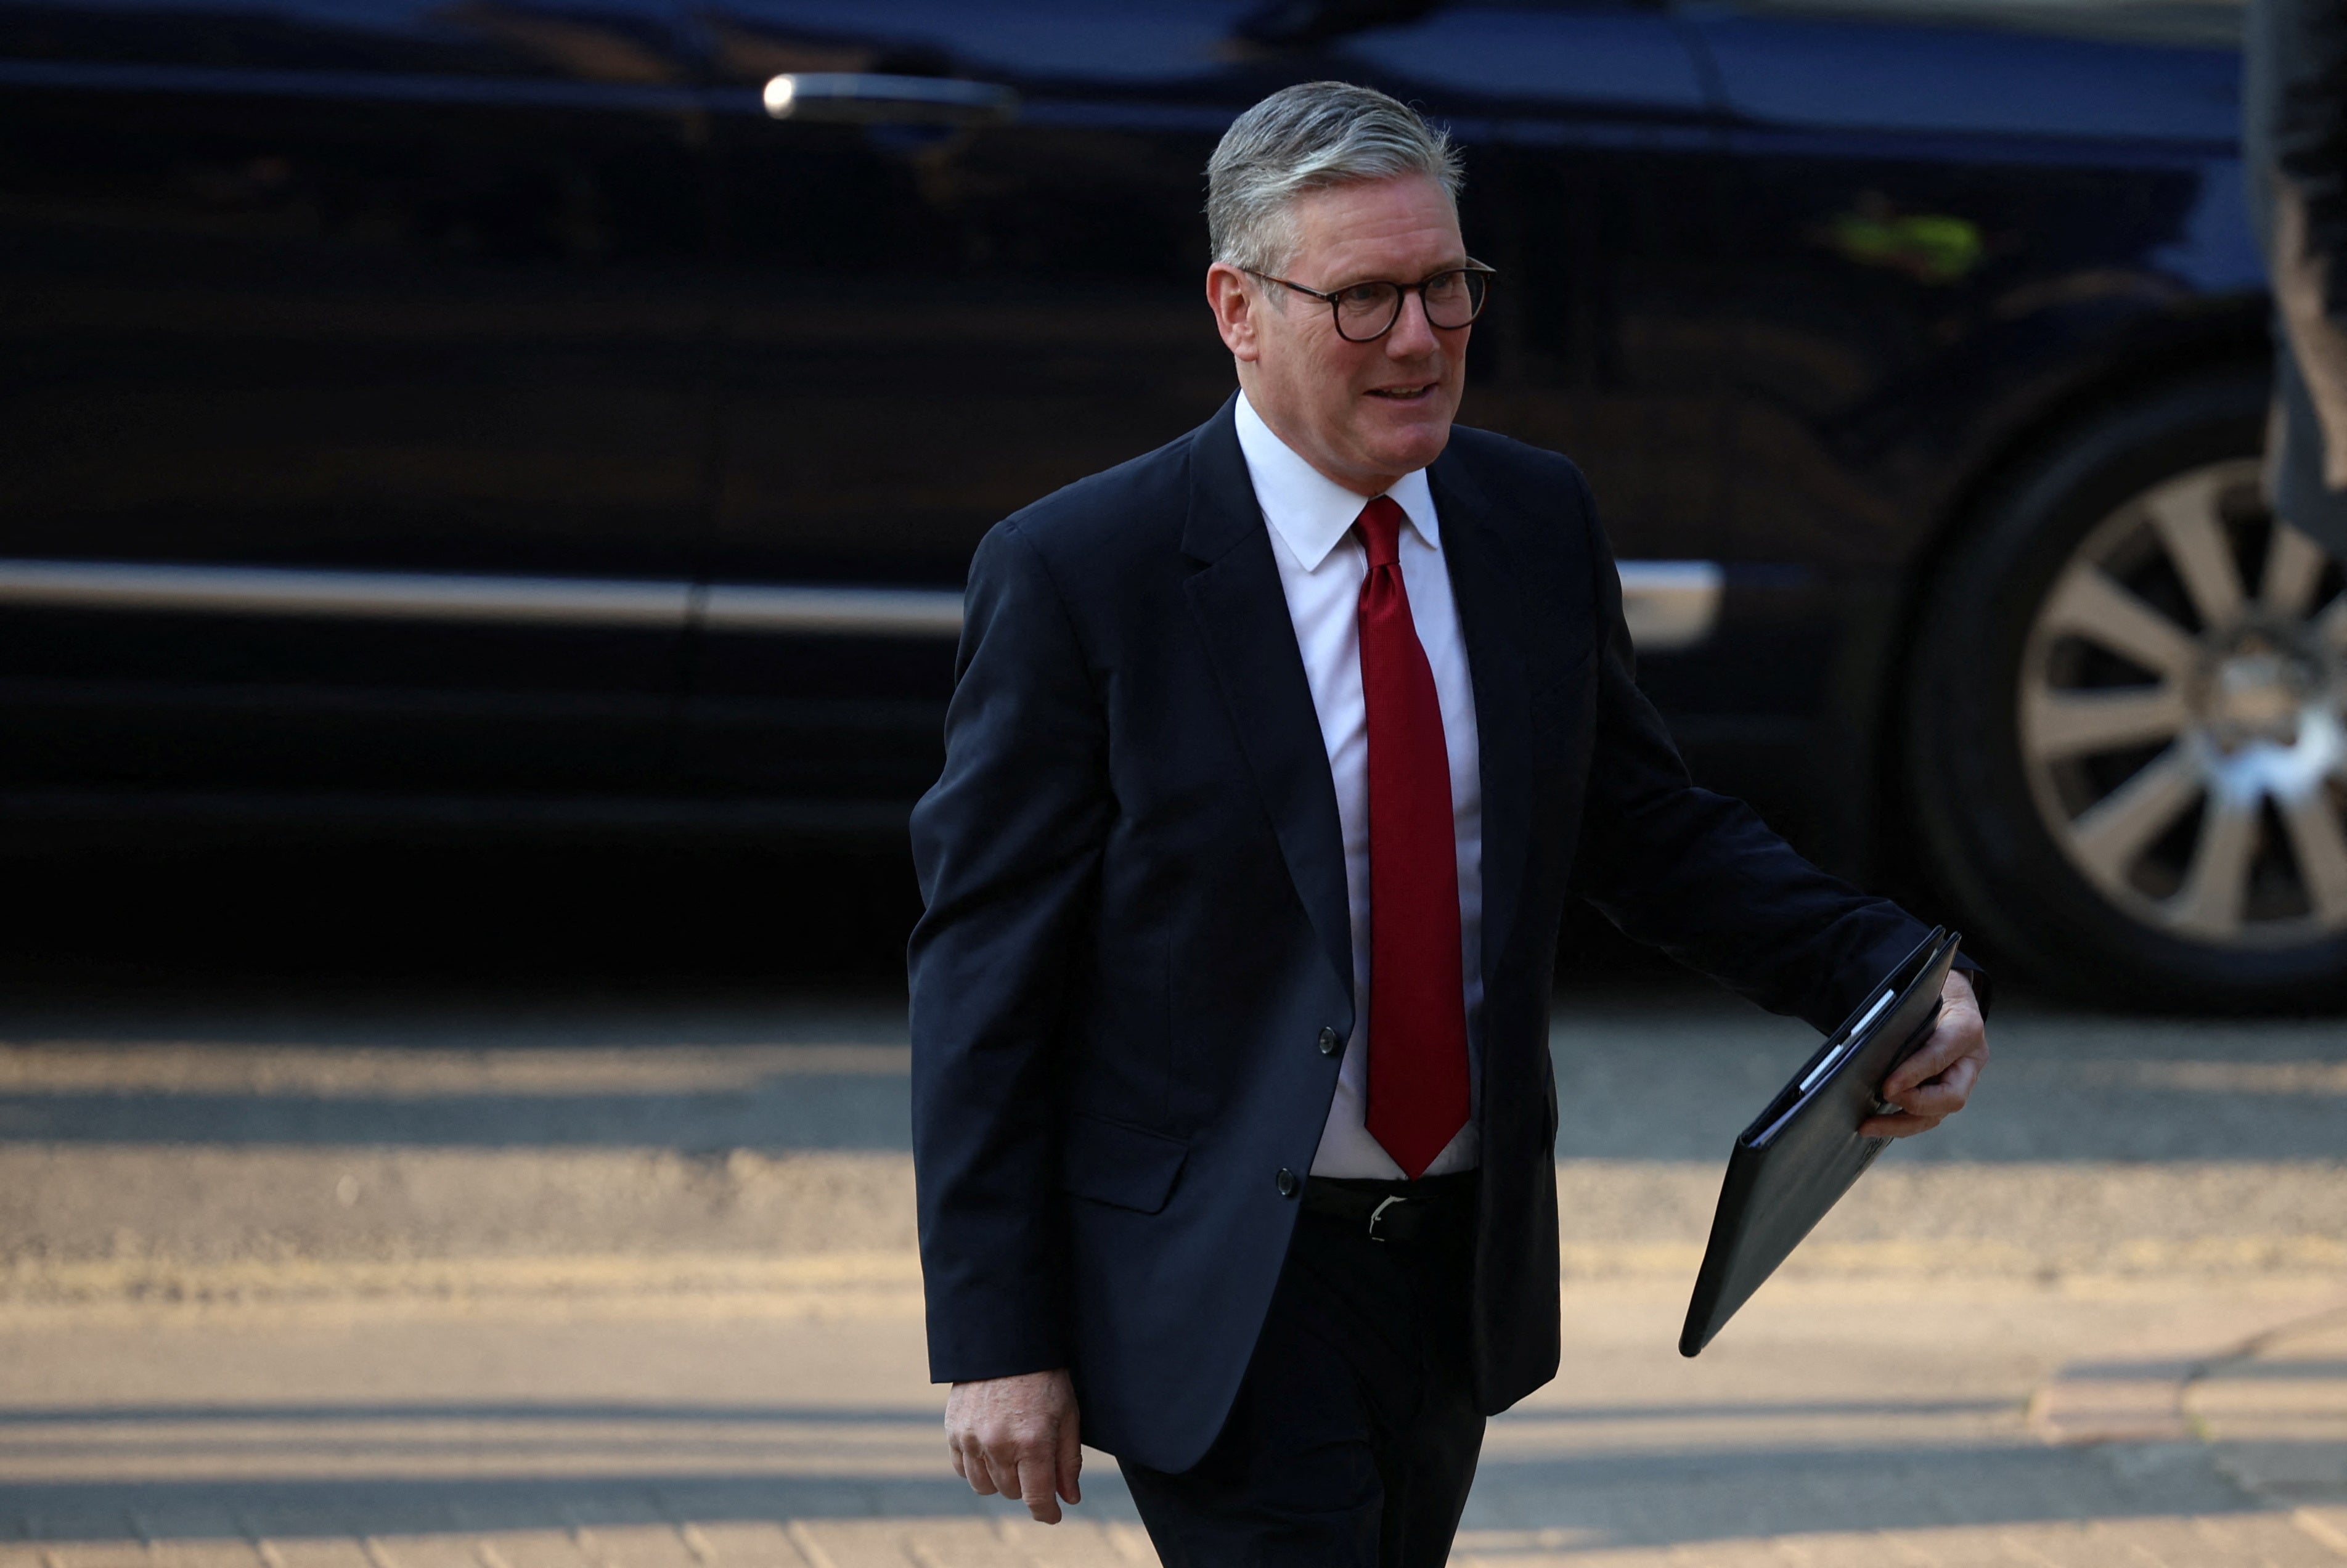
x,y
1362,294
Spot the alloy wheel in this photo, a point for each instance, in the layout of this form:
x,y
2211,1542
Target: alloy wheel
x,y
2183,715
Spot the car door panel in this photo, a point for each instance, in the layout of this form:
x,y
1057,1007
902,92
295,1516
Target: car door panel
x,y
401,308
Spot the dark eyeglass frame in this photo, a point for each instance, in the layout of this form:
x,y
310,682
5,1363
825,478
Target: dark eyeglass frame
x,y
1401,294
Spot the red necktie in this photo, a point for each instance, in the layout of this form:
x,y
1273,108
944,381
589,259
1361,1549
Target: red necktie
x,y
1417,999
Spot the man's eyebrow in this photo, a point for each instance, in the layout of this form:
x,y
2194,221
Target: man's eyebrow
x,y
1446,267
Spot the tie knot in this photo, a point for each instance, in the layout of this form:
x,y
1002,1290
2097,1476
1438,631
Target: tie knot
x,y
1380,524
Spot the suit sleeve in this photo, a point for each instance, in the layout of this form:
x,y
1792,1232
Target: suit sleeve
x,y
1699,874
1007,847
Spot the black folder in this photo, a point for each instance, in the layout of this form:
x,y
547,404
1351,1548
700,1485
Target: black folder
x,y
1804,1151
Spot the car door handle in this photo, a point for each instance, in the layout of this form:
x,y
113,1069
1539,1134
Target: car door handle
x,y
864,99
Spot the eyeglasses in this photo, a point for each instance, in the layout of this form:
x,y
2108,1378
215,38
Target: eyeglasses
x,y
1367,311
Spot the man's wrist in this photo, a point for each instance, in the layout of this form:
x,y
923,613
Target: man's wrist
x,y
1008,1376
1974,977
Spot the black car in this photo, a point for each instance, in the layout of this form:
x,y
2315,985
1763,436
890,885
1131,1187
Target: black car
x,y
490,410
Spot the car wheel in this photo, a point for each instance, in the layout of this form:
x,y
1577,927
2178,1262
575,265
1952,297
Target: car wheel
x,y
2126,732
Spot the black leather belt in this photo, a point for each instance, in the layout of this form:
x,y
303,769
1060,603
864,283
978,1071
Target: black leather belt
x,y
1397,1211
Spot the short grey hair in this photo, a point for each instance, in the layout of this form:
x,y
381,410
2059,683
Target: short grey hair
x,y
1308,138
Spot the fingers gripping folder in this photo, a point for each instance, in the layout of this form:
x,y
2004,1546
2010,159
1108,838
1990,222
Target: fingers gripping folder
x,y
1804,1151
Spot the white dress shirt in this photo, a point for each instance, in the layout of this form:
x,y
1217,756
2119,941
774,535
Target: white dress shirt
x,y
1321,567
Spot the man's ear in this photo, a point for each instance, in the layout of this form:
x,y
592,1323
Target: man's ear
x,y
1234,308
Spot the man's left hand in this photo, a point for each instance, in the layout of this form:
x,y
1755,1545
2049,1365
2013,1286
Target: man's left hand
x,y
1934,1084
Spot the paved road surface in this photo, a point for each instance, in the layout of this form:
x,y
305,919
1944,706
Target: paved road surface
x,y
329,1283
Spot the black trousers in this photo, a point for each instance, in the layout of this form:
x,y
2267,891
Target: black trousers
x,y
1355,1435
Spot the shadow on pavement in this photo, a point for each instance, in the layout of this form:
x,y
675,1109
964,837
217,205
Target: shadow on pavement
x,y
1743,1493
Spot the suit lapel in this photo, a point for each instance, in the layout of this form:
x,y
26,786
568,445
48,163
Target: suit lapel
x,y
1242,614
1490,622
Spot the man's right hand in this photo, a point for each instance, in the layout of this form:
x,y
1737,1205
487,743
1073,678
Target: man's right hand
x,y
1018,1436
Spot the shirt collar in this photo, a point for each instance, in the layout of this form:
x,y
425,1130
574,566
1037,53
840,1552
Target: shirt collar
x,y
1309,511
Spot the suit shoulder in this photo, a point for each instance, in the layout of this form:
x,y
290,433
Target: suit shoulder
x,y
1518,466
1535,496
1108,516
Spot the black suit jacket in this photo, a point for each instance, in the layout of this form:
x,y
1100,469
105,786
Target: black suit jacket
x,y
1137,926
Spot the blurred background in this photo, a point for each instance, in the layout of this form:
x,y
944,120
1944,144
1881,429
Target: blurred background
x,y
484,488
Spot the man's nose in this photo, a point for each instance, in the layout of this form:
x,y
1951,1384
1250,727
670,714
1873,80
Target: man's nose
x,y
1412,334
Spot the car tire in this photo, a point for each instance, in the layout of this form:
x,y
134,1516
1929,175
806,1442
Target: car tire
x,y
2124,726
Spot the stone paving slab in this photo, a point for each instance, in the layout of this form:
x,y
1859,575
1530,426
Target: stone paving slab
x,y
313,1551
2249,1541
1835,1425
2182,1541
2277,1414
2256,1542
599,1290
2328,1525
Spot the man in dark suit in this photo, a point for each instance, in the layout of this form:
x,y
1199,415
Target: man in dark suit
x,y
1273,759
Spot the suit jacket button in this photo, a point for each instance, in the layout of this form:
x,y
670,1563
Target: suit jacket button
x,y
1329,1042
1287,1182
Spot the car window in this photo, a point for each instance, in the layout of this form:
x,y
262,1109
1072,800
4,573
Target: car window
x,y
616,41
1071,41
2205,23
1594,52
1891,68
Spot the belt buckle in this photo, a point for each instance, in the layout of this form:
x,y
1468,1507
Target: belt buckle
x,y
1378,1213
